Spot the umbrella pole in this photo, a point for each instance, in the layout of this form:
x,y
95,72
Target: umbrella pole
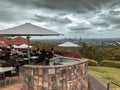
x,y
28,49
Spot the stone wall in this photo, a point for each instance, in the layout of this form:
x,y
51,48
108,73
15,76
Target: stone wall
x,y
57,77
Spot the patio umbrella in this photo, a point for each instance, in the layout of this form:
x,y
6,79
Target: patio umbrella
x,y
15,46
28,30
19,41
3,39
24,46
68,44
3,44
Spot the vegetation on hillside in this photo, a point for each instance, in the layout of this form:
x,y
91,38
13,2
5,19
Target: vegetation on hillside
x,y
97,53
91,52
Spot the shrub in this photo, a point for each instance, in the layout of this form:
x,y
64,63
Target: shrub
x,y
92,62
108,63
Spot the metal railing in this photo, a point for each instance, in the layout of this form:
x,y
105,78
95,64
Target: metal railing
x,y
108,85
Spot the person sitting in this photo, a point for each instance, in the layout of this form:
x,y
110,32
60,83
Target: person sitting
x,y
1,54
51,53
6,55
13,51
43,55
15,62
38,52
47,58
20,53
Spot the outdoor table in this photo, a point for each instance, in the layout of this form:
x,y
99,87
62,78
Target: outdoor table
x,y
25,61
34,58
25,58
5,69
21,61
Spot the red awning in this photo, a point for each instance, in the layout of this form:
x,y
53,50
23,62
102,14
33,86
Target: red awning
x,y
19,41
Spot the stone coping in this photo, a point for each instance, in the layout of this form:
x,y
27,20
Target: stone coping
x,y
79,61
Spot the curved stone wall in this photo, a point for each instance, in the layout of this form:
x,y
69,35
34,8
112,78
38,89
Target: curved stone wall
x,y
56,77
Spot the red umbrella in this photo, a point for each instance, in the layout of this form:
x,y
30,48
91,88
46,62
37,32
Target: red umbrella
x,y
19,41
3,39
3,44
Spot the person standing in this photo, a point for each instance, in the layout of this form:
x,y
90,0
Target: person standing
x,y
43,55
13,51
15,62
51,53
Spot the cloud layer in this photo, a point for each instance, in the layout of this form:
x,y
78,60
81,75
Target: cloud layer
x,y
73,18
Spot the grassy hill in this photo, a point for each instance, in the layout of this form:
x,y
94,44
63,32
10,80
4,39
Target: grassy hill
x,y
106,74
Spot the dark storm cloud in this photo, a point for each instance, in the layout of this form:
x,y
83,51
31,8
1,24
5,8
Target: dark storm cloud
x,y
6,16
79,29
69,5
101,24
69,15
57,20
9,16
114,13
112,19
115,3
117,27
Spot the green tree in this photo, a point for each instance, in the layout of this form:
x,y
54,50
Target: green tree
x,y
83,50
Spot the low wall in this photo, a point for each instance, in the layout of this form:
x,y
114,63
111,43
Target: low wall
x,y
56,77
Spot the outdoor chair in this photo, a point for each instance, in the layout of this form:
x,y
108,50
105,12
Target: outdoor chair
x,y
2,78
14,73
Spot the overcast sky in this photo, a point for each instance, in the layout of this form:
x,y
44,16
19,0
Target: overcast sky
x,y
73,18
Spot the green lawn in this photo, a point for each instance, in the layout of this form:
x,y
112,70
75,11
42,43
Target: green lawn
x,y
106,74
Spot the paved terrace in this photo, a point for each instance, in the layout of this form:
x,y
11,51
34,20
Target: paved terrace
x,y
16,84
